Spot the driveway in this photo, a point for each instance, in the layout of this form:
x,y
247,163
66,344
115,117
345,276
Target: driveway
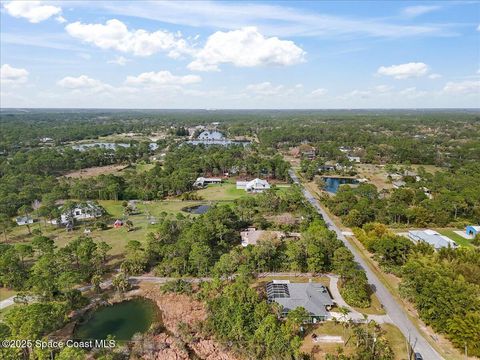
x,y
393,309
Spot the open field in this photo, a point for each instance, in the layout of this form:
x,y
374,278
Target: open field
x,y
223,191
319,349
377,175
117,238
6,293
95,171
455,237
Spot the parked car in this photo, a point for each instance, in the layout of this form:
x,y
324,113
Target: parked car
x,y
418,356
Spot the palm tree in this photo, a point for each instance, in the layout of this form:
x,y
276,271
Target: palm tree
x,y
344,311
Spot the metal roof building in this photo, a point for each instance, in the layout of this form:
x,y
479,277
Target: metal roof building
x,y
432,237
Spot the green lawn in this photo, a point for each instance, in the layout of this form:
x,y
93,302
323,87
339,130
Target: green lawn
x,y
455,237
221,192
117,238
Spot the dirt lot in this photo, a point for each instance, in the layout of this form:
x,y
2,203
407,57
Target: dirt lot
x,y
177,309
95,171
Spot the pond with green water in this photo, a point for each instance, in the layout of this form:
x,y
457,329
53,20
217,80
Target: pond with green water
x,y
121,320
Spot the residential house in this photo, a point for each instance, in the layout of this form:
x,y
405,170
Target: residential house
x,y
304,150
84,211
255,185
203,181
432,237
314,297
210,135
354,159
24,220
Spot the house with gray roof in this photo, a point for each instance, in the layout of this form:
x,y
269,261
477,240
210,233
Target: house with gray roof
x,y
431,237
313,297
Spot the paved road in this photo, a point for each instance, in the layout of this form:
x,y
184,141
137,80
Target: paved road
x,y
393,309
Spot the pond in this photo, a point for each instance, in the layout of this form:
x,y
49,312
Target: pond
x,y
197,209
122,320
333,183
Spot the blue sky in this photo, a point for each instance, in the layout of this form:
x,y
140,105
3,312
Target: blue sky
x,y
142,54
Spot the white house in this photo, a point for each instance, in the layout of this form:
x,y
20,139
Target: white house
x,y
255,185
354,159
85,211
203,181
210,135
24,220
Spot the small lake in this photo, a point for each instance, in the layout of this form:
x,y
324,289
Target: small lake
x,y
197,209
121,320
333,183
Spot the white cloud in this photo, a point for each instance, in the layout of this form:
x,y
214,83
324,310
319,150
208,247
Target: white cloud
x,y
318,92
362,94
265,88
86,86
162,78
11,75
115,35
463,87
412,92
80,82
382,89
61,19
33,11
272,19
413,11
119,60
245,47
404,71
434,76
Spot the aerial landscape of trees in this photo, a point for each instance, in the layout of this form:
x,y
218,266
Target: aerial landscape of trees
x,y
443,285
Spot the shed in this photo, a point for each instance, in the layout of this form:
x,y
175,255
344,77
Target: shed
x,y
473,230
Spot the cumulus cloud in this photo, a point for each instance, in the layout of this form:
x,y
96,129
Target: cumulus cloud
x,y
162,78
80,82
318,92
265,88
12,75
33,11
434,76
88,85
462,87
119,60
404,71
114,34
245,47
413,11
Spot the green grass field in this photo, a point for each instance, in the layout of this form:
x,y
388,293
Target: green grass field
x,y
455,237
221,192
117,238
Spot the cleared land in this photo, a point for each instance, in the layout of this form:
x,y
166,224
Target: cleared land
x,y
95,171
377,175
318,349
